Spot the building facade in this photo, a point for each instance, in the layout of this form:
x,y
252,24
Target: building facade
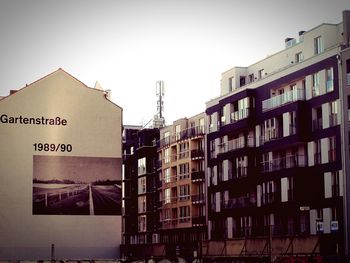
x,y
182,189
140,197
278,149
60,191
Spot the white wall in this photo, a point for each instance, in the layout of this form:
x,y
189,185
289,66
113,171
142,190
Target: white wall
x,y
94,130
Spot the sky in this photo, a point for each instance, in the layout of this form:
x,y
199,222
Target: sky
x,y
128,45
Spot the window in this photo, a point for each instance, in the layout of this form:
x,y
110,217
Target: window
x,y
177,132
318,45
142,204
298,57
167,178
212,149
184,192
142,223
315,84
317,152
141,166
184,214
335,183
167,155
142,185
332,149
231,83
261,73
201,125
167,196
241,81
183,150
329,80
333,113
317,119
220,171
166,138
184,171
251,78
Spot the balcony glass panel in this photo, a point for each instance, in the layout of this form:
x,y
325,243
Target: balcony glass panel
x,y
286,97
286,162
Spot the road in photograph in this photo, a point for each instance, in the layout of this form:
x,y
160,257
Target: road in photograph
x,y
60,199
106,199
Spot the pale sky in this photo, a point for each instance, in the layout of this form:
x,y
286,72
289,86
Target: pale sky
x,y
127,46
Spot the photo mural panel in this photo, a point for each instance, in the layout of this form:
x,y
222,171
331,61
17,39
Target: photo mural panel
x,y
71,185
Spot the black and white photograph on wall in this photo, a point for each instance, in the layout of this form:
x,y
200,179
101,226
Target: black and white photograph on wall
x,y
71,185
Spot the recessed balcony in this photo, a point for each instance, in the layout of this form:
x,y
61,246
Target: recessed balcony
x,y
286,162
282,99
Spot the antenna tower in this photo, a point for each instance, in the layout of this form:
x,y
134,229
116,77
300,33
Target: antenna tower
x,y
158,120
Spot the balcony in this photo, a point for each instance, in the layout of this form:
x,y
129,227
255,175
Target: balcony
x,y
235,144
279,100
199,220
239,115
197,154
198,176
198,199
286,162
270,198
239,172
184,155
270,135
239,202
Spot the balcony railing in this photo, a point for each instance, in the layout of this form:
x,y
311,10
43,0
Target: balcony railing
x,y
236,144
198,176
199,220
198,198
287,97
286,162
270,135
239,202
197,153
239,172
239,115
269,198
192,132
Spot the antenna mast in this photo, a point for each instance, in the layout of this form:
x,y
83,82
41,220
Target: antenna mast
x,y
158,120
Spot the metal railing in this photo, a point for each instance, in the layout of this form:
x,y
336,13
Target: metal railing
x,y
286,162
286,97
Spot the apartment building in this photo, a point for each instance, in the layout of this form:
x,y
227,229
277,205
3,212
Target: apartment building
x,y
140,196
182,190
278,150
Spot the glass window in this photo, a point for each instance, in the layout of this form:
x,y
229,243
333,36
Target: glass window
x,y
142,185
298,57
318,45
315,84
329,80
142,166
142,204
167,196
142,223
